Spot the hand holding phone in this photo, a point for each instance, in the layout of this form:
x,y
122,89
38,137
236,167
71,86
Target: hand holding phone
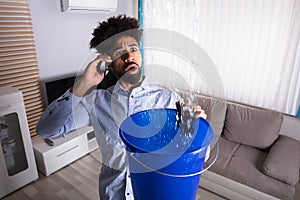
x,y
102,66
93,75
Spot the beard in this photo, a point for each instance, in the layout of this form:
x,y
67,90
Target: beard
x,y
132,78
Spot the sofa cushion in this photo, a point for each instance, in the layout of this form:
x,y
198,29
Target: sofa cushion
x,y
244,167
225,153
290,126
251,126
215,110
283,160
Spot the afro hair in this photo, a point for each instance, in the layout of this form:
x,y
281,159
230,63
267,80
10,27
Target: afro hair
x,y
113,26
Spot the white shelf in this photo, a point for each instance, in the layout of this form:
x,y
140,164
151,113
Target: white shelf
x,y
65,150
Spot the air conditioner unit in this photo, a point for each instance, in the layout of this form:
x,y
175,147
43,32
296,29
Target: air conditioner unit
x,y
88,5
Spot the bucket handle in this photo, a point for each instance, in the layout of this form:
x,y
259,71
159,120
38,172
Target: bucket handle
x,y
178,175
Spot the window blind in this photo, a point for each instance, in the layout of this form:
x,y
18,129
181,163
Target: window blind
x,y
253,44
18,60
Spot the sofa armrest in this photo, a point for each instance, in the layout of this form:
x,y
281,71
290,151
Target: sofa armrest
x,y
283,160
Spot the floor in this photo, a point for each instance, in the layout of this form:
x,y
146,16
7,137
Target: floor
x,y
79,181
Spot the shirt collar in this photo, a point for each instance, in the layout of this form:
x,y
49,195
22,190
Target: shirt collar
x,y
119,89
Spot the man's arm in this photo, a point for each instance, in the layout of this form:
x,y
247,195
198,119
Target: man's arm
x,y
91,77
60,116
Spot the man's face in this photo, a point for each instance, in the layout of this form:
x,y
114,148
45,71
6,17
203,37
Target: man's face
x,y
127,59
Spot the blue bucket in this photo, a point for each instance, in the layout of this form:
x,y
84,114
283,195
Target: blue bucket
x,y
164,162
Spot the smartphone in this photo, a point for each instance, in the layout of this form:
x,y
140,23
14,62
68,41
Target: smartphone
x,y
108,80
102,66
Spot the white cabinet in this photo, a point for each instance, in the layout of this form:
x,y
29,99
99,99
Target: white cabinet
x,y
66,149
17,164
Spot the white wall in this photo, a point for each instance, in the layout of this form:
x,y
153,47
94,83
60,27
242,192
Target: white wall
x,y
62,38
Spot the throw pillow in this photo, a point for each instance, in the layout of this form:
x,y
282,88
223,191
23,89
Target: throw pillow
x,y
283,160
252,126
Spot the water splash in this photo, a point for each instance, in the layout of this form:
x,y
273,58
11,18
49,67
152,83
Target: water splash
x,y
185,119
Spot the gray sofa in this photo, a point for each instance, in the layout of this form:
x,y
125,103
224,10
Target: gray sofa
x,y
259,151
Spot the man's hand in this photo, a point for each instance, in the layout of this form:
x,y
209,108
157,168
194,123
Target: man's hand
x,y
190,110
91,76
198,112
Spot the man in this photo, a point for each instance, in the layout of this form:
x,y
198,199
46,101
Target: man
x,y
117,41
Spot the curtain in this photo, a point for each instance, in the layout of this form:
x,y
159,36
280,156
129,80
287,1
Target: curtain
x,y
253,45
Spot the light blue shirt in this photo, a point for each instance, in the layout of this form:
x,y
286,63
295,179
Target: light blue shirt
x,y
105,110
